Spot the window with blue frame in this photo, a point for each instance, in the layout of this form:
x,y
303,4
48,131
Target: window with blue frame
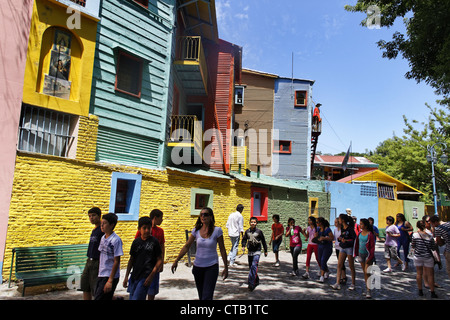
x,y
125,195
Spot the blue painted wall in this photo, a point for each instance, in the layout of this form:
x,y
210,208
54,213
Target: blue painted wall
x,y
362,199
293,124
133,130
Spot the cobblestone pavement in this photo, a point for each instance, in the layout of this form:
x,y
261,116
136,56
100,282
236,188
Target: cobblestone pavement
x,y
275,283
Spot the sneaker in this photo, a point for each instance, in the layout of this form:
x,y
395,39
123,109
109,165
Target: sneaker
x,y
420,293
326,275
336,286
321,279
387,270
403,267
293,273
368,295
277,264
305,275
352,287
433,295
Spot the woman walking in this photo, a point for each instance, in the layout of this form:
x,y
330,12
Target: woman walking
x,y
365,249
206,264
346,242
423,243
295,243
337,234
312,247
325,239
404,240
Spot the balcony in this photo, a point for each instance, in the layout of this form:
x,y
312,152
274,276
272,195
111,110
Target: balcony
x,y
186,132
190,64
239,156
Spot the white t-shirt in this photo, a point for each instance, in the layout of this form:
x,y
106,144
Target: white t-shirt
x,y
390,240
235,224
206,254
109,248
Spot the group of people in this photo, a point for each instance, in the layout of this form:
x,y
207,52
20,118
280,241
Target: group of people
x,y
351,240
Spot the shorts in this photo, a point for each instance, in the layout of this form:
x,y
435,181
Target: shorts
x,y
347,251
88,281
424,262
138,291
362,257
390,252
276,245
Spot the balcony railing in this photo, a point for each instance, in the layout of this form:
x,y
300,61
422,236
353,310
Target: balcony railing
x,y
190,52
186,131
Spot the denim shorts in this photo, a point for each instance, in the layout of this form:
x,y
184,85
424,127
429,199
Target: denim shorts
x,y
276,245
138,291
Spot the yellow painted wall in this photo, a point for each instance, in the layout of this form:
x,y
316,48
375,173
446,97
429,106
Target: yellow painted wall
x,y
388,208
51,196
46,17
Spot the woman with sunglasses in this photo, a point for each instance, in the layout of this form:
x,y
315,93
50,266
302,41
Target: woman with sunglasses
x,y
206,265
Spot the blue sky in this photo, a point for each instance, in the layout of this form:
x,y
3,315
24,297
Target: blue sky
x,y
363,95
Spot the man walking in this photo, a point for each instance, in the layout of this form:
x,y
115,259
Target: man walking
x,y
235,226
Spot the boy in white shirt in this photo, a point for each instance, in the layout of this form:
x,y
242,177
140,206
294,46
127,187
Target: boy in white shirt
x,y
390,245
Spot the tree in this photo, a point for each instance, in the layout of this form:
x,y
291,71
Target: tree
x,y
404,157
426,44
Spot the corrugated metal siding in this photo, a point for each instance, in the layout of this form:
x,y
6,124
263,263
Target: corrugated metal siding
x,y
224,92
122,147
148,34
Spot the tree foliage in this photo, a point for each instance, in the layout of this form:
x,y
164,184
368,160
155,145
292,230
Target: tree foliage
x,y
426,44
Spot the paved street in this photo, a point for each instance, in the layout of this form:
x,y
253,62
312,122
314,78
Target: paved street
x,y
275,283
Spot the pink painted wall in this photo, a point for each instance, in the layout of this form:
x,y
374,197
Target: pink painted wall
x,y
15,20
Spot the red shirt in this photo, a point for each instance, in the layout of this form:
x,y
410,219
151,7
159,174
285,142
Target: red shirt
x,y
277,229
157,232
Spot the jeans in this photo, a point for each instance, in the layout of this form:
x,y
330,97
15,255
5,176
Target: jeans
x,y
205,280
325,251
253,279
295,251
234,249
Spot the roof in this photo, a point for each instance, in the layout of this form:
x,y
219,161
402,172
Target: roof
x,y
323,160
200,18
271,75
380,176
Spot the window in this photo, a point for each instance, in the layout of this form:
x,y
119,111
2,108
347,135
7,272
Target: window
x,y
314,207
239,95
301,98
259,205
386,192
46,131
143,3
129,74
282,146
201,198
125,195
56,82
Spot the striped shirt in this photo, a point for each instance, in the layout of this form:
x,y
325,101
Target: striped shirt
x,y
422,244
443,231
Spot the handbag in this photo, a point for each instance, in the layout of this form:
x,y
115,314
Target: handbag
x,y
434,254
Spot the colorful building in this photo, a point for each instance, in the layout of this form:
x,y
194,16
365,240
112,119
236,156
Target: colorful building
x,y
378,195
108,108
327,167
16,19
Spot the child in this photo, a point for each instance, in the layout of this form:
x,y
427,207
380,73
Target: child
x,y
310,233
390,245
110,252
156,216
276,238
90,271
295,243
253,238
145,260
365,249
